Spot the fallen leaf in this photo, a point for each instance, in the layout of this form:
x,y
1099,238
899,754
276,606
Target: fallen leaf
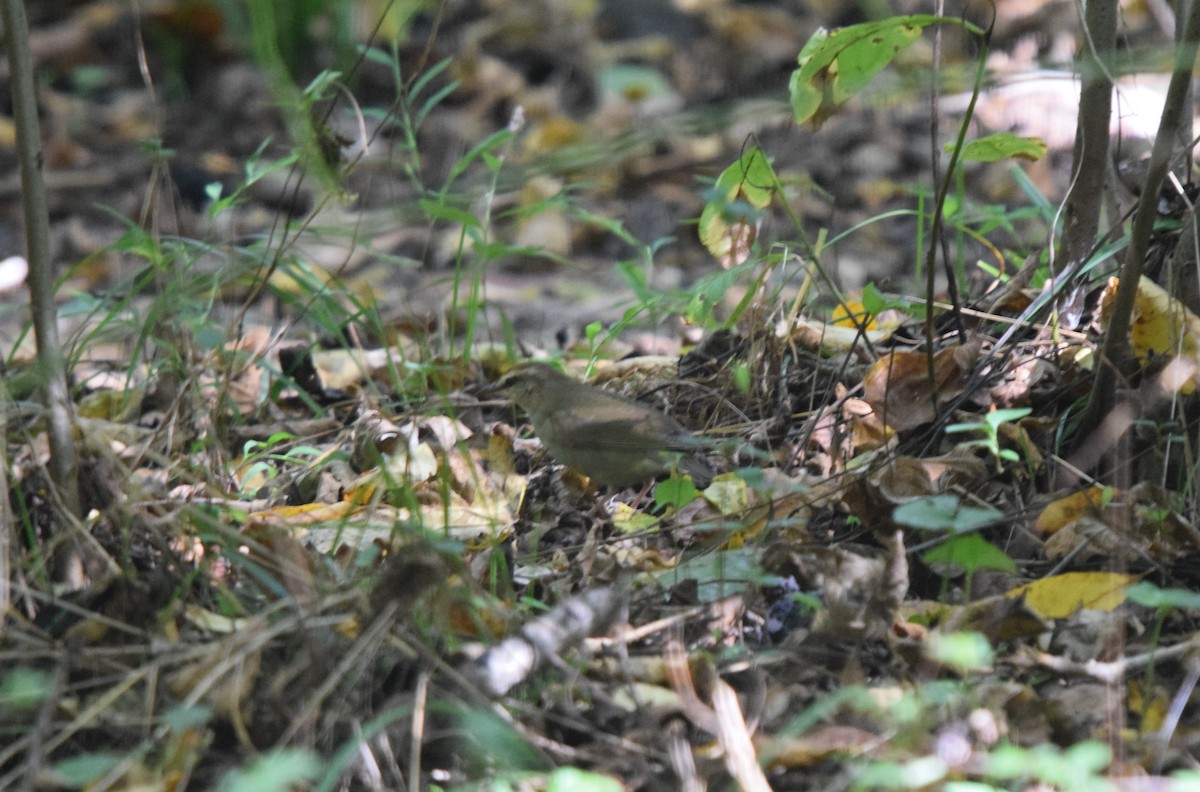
x,y
1069,508
1062,595
831,339
729,493
1160,325
906,394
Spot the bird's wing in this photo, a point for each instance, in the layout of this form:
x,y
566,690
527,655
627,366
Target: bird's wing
x,y
621,433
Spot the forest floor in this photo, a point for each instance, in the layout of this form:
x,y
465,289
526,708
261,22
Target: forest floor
x,y
316,554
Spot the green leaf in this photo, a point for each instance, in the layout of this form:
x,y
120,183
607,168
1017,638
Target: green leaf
x,y
676,492
729,221
78,772
320,84
997,417
970,552
1151,596
278,770
572,779
873,301
924,772
944,513
493,141
634,83
1183,780
806,85
628,521
991,421
836,65
1075,768
438,210
23,688
180,718
965,651
741,377
720,574
1000,146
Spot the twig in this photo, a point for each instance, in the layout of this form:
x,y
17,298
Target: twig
x,y
64,464
1115,357
1114,670
509,662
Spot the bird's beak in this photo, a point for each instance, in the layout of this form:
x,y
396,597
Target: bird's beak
x,y
492,390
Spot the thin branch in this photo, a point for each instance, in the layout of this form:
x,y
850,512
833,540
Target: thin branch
x,y
1115,360
1091,135
64,466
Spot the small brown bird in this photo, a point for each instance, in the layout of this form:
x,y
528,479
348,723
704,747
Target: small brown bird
x,y
613,440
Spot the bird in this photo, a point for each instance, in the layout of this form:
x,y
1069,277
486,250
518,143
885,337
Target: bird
x,y
612,440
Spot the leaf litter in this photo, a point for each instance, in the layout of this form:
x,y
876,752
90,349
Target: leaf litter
x,y
315,535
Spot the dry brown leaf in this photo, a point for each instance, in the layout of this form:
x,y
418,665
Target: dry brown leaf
x,y
959,468
900,388
899,481
818,746
341,369
861,594
242,369
867,430
278,552
1000,618
224,677
1082,524
406,575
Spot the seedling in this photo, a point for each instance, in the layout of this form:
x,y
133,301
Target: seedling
x,y
990,427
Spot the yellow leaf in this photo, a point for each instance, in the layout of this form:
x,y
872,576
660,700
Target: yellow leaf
x,y
1060,596
110,405
8,133
302,515
1070,508
298,279
628,520
729,222
832,339
211,621
845,314
1151,704
1160,325
729,493
554,133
